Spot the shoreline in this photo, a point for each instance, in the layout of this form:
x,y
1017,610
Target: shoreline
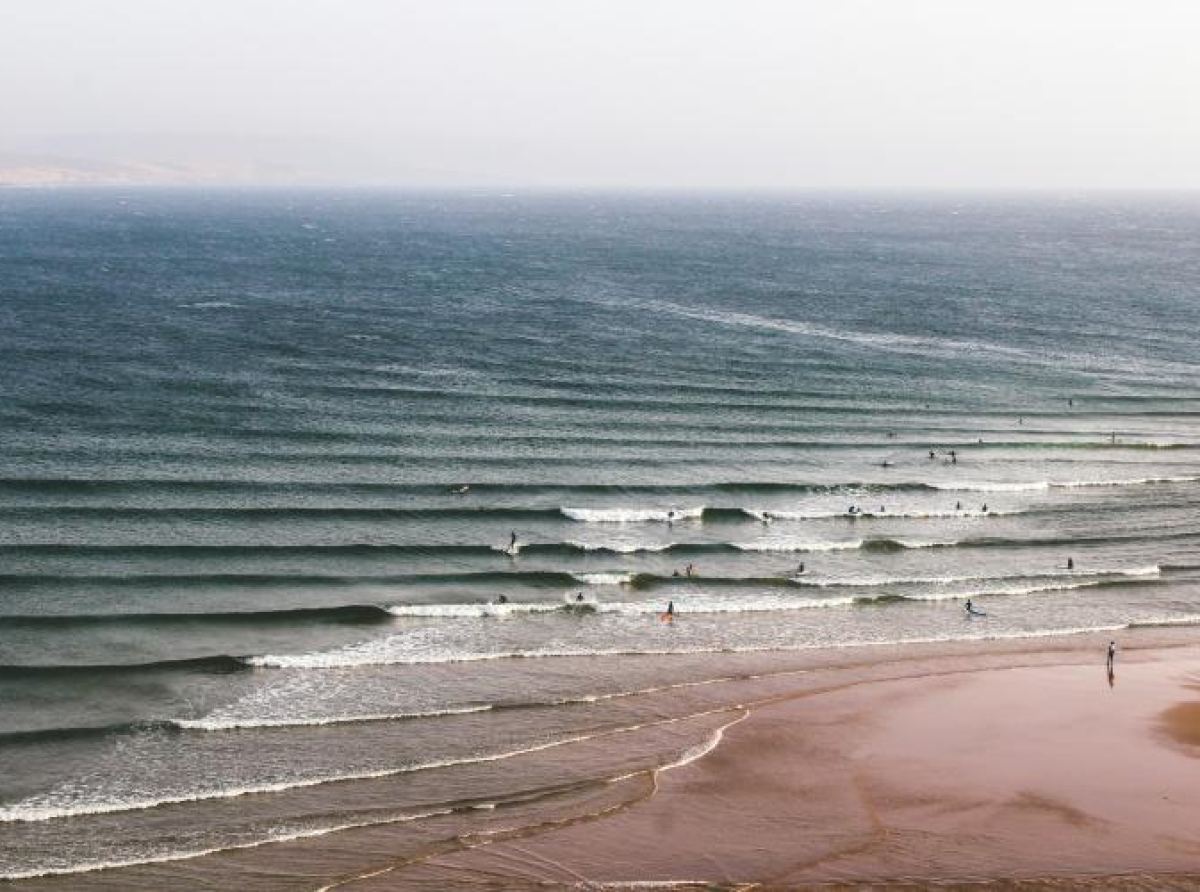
x,y
756,739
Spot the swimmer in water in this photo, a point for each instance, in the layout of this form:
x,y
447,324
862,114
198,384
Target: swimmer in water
x,y
579,597
1070,563
503,599
800,569
689,571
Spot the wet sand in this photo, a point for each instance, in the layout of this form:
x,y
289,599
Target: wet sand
x,y
1043,772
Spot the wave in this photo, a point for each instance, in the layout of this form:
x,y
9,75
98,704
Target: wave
x,y
613,578
462,610
1038,485
379,656
29,812
211,664
231,723
356,614
766,515
396,491
569,547
876,581
633,515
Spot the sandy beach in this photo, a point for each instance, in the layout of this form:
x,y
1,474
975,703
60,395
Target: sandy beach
x,y
952,773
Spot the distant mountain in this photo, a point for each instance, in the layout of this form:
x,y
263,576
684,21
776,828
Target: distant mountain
x,y
34,170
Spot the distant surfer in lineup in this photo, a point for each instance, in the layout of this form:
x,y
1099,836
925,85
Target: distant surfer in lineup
x,y
462,490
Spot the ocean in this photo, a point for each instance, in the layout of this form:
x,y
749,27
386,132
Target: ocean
x,y
263,455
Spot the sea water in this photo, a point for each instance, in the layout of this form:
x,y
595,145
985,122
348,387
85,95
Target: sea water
x,y
263,455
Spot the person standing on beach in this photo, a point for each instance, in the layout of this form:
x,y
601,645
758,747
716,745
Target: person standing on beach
x,y
1112,656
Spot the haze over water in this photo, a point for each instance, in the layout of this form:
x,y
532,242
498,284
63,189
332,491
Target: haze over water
x,y
262,454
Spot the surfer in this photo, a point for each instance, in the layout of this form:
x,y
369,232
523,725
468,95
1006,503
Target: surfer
x,y
462,490
971,611
671,609
690,571
1070,563
983,508
885,464
958,506
671,516
503,599
800,569
512,541
932,454
579,597
953,457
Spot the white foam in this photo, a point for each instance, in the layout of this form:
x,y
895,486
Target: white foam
x,y
1037,485
217,722
31,813
769,514
620,547
633,515
705,603
281,835
873,581
468,610
980,486
604,578
797,545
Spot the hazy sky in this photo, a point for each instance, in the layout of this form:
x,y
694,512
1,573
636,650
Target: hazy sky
x,y
667,93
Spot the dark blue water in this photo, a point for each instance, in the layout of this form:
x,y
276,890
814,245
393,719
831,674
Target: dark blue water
x,y
262,456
